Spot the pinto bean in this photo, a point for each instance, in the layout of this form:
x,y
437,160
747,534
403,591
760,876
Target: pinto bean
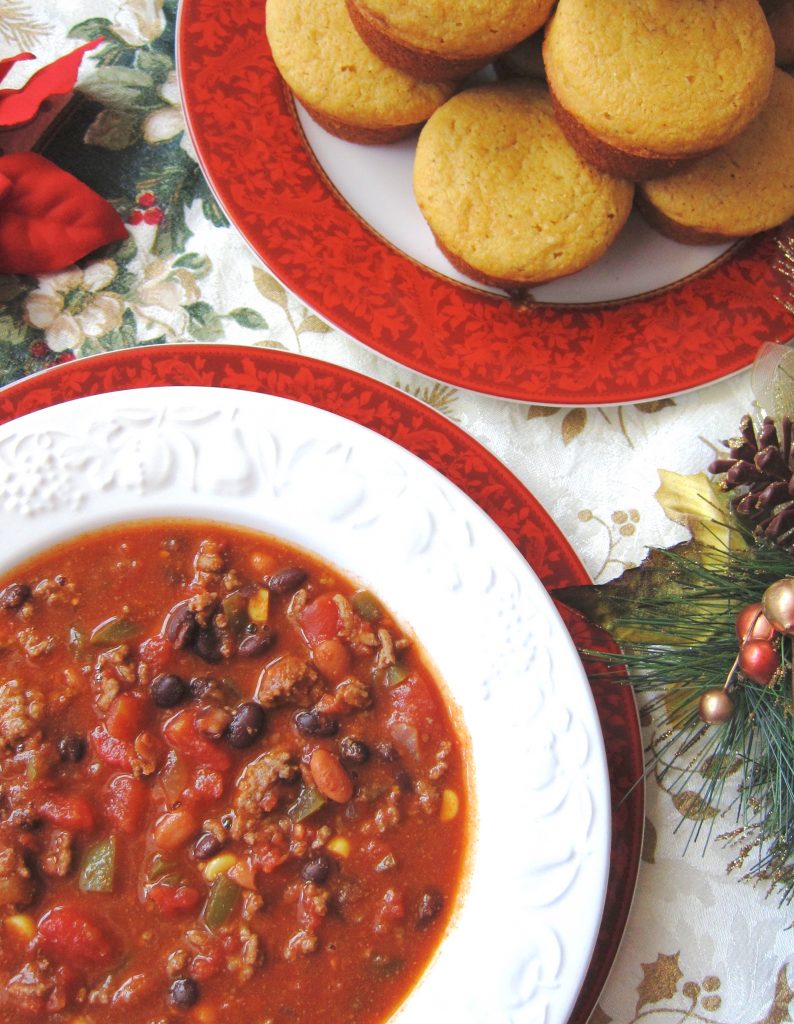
x,y
332,659
330,778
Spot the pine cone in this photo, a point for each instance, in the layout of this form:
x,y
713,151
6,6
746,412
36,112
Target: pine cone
x,y
759,469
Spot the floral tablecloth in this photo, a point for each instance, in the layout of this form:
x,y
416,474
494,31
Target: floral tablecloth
x,y
700,944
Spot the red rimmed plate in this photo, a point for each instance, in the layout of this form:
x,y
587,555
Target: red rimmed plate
x,y
296,205
464,462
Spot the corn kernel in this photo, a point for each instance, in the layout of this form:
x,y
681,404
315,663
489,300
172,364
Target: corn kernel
x,y
450,805
219,865
22,925
339,845
80,1019
259,606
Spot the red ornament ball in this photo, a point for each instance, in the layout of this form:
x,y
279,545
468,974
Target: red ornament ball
x,y
778,605
759,660
752,624
715,706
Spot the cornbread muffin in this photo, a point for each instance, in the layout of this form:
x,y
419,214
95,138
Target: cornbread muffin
x,y
347,89
438,39
640,85
745,187
510,202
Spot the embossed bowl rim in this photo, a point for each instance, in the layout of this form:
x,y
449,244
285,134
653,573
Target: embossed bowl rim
x,y
531,906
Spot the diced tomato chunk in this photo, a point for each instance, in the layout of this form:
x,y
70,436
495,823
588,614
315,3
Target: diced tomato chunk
x,y
390,912
126,799
320,620
115,752
181,733
174,899
126,717
207,785
156,652
70,936
70,812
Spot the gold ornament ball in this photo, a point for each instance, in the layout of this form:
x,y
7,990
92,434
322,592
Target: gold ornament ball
x,y
778,605
716,706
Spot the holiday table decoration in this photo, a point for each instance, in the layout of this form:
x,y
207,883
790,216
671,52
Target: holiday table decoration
x,y
48,218
706,630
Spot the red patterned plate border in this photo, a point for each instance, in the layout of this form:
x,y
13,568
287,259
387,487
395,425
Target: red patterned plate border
x,y
463,461
252,151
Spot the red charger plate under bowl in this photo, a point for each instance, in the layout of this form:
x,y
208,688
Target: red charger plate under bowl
x,y
466,464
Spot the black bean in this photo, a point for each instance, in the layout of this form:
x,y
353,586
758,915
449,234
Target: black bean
x,y
316,869
184,992
14,596
207,646
71,748
431,903
353,750
246,726
316,723
181,626
168,690
200,686
257,642
286,581
206,846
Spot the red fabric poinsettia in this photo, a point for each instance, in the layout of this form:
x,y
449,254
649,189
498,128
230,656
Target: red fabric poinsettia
x,y
48,218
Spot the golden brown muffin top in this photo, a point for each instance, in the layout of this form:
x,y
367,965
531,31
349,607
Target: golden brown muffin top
x,y
458,28
746,186
502,188
668,77
323,60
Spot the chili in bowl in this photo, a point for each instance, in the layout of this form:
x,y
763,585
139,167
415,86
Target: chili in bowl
x,y
231,788
289,731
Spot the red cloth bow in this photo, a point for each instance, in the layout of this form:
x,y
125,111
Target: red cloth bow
x,y
48,219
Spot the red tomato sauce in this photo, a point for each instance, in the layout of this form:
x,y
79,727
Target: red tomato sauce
x,y
230,788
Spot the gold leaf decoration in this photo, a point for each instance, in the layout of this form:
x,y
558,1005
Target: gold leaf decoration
x,y
691,805
536,412
649,839
441,397
18,27
311,322
268,286
696,503
573,424
648,408
660,980
780,1010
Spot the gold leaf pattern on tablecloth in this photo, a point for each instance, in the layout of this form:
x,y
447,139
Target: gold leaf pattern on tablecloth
x,y
649,839
693,806
780,1010
622,526
573,424
18,26
660,979
441,397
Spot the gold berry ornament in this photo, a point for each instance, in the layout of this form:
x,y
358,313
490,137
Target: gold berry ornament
x,y
778,605
715,706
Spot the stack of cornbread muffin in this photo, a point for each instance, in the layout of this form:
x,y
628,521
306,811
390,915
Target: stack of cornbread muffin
x,y
675,105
